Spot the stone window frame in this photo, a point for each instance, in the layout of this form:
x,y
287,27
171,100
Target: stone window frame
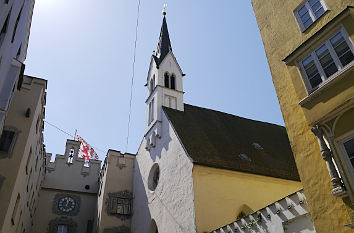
x,y
331,151
111,206
154,177
12,146
312,15
343,157
54,223
55,206
341,69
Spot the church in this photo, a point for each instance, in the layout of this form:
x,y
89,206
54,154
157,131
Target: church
x,y
195,170
198,169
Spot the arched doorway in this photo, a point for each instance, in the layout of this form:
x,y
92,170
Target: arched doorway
x,y
153,227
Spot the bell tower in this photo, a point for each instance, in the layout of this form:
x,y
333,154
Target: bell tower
x,y
164,83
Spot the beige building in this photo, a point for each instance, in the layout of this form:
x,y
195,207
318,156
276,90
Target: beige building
x,y
15,23
22,156
68,193
115,197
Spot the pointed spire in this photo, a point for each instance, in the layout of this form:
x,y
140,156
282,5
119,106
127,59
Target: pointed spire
x,y
164,45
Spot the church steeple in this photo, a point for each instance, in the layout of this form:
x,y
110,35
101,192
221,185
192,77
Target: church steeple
x,y
165,86
164,45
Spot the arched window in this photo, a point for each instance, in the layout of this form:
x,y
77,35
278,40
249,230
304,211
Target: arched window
x,y
71,155
173,82
167,80
152,83
154,177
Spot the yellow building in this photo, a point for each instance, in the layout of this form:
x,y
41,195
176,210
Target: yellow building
x,y
309,47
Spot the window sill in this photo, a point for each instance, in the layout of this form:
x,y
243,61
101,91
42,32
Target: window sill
x,y
328,83
351,225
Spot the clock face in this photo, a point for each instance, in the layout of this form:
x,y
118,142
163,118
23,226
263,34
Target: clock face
x,y
66,204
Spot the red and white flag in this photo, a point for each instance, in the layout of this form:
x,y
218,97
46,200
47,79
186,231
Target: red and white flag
x,y
86,150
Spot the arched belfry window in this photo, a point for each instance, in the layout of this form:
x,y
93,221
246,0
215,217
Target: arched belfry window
x,y
173,82
170,81
71,155
167,80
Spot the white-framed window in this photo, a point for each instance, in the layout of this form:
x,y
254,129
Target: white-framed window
x,y
327,60
308,12
347,148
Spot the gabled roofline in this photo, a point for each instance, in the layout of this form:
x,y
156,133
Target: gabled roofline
x,y
175,131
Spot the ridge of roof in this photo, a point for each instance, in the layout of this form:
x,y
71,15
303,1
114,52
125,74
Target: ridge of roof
x,y
222,140
230,114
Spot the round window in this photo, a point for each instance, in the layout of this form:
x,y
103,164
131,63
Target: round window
x,y
154,177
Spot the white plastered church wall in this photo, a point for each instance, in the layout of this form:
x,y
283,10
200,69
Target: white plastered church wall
x,y
171,205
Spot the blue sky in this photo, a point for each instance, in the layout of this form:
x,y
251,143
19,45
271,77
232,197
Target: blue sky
x,y
84,48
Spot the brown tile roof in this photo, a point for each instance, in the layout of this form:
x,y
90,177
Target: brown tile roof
x,y
218,139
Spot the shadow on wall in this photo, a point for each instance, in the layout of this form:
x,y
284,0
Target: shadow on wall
x,y
142,217
162,143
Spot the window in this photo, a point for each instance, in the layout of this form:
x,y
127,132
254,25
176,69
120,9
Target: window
x,y
71,156
327,60
154,177
152,83
120,205
19,52
349,150
309,12
173,80
6,140
62,229
151,111
170,81
16,24
35,168
167,80
4,28
123,206
15,209
28,160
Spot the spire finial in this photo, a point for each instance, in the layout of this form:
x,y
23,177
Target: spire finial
x,y
164,9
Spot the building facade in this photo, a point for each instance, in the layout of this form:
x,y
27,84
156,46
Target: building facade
x,y
22,156
115,195
68,195
310,51
15,23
